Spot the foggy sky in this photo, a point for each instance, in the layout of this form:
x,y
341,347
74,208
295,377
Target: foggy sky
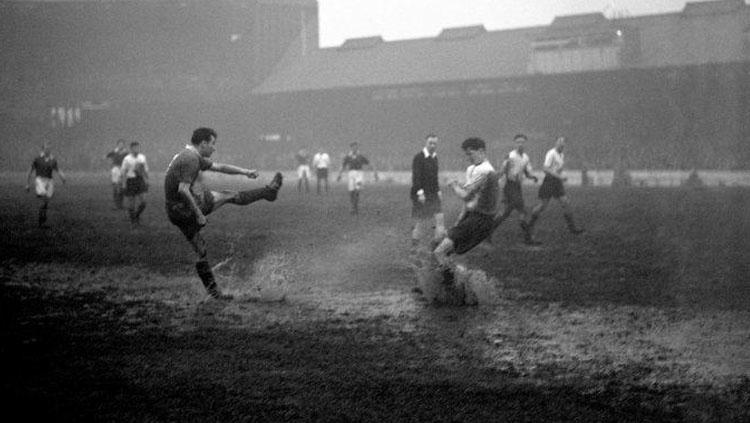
x,y
404,19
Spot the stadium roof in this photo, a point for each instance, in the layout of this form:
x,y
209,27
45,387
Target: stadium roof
x,y
473,53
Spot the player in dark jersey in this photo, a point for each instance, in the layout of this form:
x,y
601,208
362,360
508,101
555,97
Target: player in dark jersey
x,y
115,157
188,203
43,167
353,163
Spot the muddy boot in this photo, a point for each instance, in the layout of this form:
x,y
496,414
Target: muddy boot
x,y
207,277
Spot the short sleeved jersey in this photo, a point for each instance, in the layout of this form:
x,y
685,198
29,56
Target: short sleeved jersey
x,y
517,166
44,165
355,161
184,167
554,160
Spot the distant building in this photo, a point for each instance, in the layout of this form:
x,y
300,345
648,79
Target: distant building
x,y
668,90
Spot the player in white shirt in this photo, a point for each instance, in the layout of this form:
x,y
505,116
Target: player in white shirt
x,y
479,195
515,167
134,171
303,170
552,187
321,162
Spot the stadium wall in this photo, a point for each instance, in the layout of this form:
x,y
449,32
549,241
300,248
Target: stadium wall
x,y
661,118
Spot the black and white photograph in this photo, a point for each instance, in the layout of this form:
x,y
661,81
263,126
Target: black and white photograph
x,y
375,210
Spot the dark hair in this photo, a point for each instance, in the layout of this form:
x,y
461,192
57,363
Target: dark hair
x,y
202,134
520,136
473,143
134,143
121,141
430,135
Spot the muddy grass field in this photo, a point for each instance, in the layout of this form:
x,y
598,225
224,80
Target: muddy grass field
x,y
645,317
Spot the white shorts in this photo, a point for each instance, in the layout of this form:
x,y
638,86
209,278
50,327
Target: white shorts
x,y
115,175
356,180
45,187
303,171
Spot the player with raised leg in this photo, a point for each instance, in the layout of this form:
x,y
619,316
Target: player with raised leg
x,y
479,194
187,205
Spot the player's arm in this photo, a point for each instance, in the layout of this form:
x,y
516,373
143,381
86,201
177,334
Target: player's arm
x,y
465,192
145,168
233,170
416,178
503,173
60,174
29,176
184,190
344,167
373,170
527,171
124,172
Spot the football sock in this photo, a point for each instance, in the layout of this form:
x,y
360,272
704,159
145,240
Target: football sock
x,y
207,277
42,214
244,198
138,212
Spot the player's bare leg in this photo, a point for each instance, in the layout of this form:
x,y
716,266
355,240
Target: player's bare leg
x,y
568,214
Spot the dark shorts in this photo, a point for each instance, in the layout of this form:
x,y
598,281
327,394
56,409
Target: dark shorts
x,y
182,215
472,229
551,188
135,186
512,195
426,210
321,173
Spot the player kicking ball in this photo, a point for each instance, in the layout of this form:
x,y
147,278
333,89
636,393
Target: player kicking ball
x,y
188,204
479,194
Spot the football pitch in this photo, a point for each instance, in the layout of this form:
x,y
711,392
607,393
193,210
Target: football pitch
x,y
644,317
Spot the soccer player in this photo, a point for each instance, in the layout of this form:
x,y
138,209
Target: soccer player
x,y
134,171
43,167
353,163
552,187
479,195
187,206
321,162
116,157
515,167
303,170
425,192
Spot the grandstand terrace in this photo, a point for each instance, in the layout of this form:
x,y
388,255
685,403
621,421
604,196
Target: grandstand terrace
x,y
666,91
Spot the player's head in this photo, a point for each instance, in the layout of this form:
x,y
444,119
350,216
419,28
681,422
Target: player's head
x,y
560,144
121,143
431,142
135,147
45,148
475,149
204,140
354,146
520,140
